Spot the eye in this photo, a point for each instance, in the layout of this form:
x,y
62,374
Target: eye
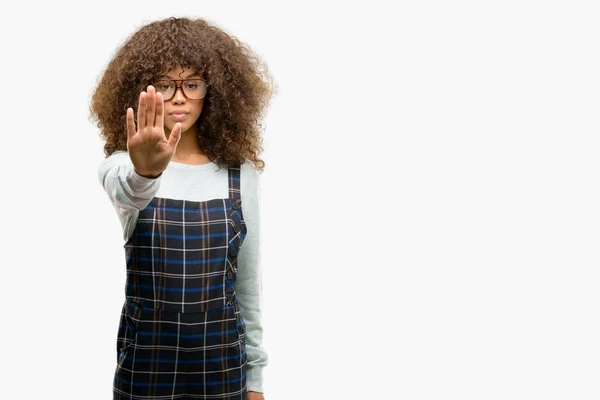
x,y
164,85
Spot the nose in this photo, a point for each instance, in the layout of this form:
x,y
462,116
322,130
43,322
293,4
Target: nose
x,y
178,97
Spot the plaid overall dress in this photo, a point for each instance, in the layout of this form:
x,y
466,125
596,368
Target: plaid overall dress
x,y
181,335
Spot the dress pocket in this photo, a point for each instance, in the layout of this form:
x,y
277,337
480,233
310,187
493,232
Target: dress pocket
x,y
240,328
128,327
241,324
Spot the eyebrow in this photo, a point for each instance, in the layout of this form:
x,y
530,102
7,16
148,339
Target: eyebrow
x,y
190,75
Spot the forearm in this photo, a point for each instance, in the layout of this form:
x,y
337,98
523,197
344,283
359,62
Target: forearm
x,y
126,188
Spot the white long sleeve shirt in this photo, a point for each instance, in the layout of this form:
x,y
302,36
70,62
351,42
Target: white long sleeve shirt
x,y
130,192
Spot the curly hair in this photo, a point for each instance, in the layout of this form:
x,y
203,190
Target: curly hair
x,y
241,87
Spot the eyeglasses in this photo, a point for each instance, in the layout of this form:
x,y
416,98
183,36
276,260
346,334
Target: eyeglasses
x,y
193,89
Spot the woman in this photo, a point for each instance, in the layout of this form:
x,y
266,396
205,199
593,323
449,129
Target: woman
x,y
184,182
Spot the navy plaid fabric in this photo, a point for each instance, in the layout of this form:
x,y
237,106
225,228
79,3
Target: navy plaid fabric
x,y
181,334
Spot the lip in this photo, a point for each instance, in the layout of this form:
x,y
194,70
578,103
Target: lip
x,y
179,117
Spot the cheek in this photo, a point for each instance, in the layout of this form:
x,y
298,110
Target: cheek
x,y
200,107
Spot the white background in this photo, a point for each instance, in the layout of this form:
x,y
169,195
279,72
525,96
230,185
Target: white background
x,y
430,203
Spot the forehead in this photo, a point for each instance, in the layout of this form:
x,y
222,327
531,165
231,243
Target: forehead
x,y
179,73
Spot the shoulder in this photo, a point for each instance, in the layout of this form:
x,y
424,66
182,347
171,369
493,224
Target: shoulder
x,y
117,157
249,171
250,178
107,164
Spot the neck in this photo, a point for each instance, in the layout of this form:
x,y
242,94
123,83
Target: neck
x,y
188,151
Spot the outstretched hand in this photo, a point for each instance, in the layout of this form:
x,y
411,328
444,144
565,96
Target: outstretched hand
x,y
149,149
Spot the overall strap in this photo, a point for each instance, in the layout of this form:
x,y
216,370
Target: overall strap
x,y
234,183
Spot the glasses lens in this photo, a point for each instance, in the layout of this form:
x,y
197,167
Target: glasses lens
x,y
167,88
194,89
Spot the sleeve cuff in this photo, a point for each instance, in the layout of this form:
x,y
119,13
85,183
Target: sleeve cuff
x,y
139,182
254,379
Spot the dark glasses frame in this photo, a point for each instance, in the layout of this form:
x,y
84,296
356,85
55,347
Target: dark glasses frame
x,y
179,85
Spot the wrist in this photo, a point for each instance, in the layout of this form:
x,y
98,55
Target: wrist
x,y
148,175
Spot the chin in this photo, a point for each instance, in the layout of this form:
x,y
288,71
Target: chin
x,y
169,128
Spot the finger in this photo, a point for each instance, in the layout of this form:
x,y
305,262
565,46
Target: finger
x,y
151,107
142,112
130,124
174,137
160,107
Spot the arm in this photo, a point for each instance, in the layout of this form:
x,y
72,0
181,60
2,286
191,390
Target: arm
x,y
248,285
128,191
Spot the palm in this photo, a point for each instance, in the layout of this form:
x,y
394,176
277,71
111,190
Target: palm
x,y
154,144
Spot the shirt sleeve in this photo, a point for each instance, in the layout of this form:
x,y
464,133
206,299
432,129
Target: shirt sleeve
x,y
128,191
248,284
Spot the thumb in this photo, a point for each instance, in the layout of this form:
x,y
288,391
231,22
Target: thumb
x,y
174,136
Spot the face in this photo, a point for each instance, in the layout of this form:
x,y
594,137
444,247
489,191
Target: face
x,y
190,109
